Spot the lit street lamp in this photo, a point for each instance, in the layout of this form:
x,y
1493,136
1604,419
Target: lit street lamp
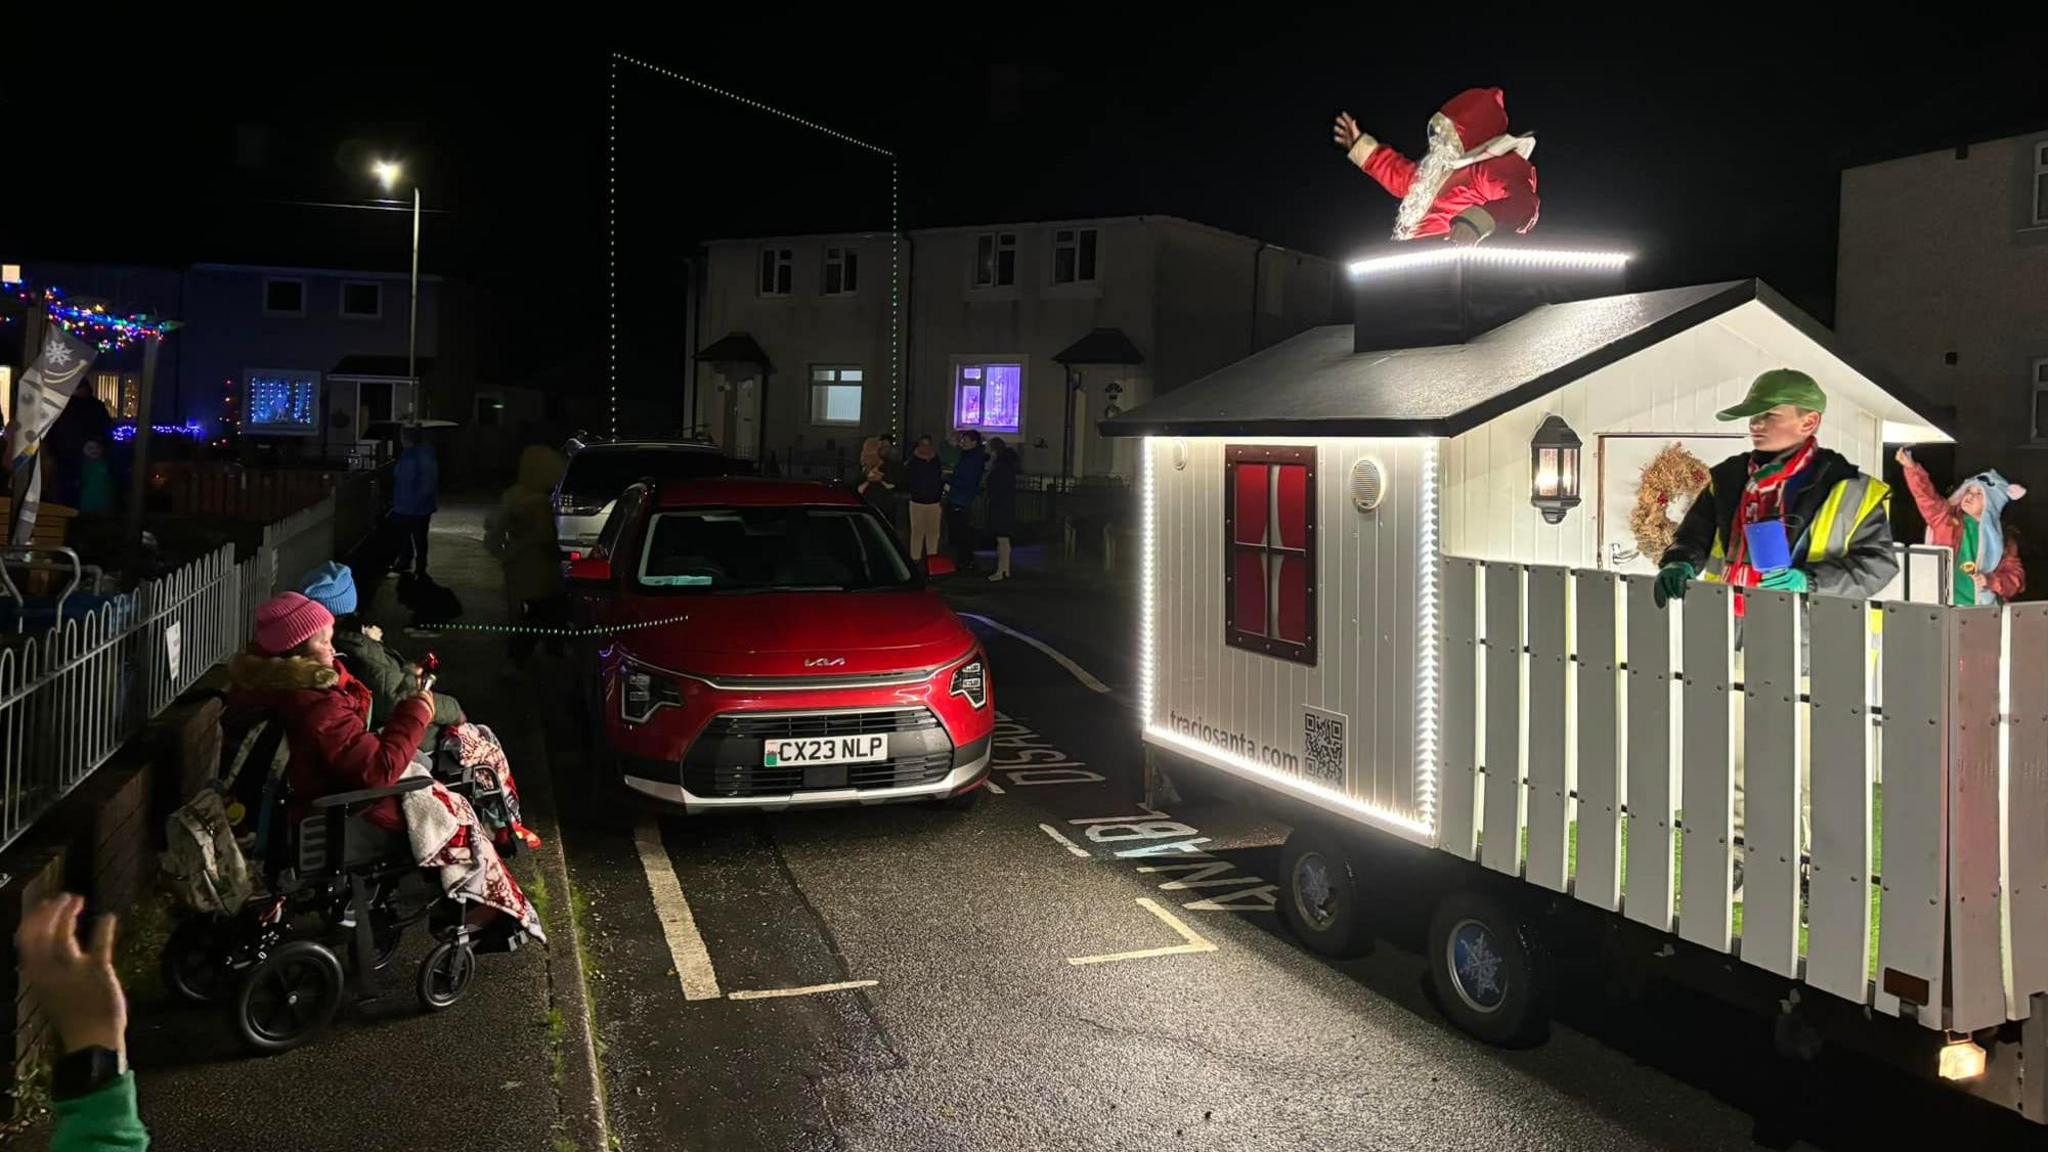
x,y
388,173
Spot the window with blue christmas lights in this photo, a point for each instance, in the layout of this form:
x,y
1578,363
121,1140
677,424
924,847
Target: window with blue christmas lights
x,y
281,403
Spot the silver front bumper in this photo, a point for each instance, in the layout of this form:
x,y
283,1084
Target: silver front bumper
x,y
681,797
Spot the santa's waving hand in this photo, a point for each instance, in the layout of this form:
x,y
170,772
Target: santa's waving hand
x,y
1474,179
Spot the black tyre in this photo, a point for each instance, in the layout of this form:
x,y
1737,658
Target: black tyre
x,y
1322,897
1489,969
445,974
196,962
289,997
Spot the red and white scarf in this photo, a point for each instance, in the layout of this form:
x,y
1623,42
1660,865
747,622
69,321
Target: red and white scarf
x,y
1762,499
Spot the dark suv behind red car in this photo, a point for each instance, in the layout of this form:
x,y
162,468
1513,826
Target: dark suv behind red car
x,y
773,646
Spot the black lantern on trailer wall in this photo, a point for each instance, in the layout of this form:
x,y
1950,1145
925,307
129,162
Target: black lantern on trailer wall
x,y
1554,469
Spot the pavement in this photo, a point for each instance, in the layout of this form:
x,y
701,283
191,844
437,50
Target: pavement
x,y
1038,973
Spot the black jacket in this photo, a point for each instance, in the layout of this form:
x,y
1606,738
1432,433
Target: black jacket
x,y
927,479
1849,555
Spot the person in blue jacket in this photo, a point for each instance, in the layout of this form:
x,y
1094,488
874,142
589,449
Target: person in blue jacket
x,y
415,498
961,493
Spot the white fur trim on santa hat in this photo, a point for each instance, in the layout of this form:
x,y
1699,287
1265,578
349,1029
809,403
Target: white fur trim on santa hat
x,y
1361,149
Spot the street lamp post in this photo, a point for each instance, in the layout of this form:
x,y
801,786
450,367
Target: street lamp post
x,y
388,173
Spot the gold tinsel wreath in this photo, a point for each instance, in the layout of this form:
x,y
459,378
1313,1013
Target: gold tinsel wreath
x,y
1673,474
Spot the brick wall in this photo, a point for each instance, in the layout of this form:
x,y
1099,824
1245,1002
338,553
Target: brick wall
x,y
26,1028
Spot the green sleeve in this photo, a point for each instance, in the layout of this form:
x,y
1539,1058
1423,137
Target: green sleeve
x,y
447,710
100,1121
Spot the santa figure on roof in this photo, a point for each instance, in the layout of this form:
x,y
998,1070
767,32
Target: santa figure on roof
x,y
1475,179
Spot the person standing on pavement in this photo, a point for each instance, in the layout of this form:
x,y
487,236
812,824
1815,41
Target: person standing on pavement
x,y
95,480
521,534
1002,502
961,492
926,481
92,1090
1834,516
877,479
415,498
1987,564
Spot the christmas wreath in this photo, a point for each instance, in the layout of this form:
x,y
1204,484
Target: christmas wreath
x,y
1666,491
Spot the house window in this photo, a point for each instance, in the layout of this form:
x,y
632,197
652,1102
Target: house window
x,y
995,259
776,264
363,299
2041,183
1269,526
842,271
835,395
1073,256
988,397
2041,401
284,297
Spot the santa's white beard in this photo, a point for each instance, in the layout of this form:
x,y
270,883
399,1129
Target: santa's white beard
x,y
1436,167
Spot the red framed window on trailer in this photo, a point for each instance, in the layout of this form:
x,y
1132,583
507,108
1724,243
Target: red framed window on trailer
x,y
1269,534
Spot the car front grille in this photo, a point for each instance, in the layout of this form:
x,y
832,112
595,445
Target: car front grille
x,y
725,761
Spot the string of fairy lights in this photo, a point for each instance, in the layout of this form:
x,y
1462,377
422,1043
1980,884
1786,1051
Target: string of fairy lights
x,y
90,321
542,630
612,223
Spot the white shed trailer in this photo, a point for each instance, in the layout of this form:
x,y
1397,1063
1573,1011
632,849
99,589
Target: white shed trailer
x,y
1351,601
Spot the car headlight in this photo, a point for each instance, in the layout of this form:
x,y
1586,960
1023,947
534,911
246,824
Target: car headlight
x,y
645,690
970,681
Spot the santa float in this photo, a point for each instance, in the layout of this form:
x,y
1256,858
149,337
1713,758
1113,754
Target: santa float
x,y
1474,180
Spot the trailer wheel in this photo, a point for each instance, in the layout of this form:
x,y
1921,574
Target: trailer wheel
x,y
1489,969
1323,900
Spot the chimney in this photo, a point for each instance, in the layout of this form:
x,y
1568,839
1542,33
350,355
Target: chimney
x,y
1445,295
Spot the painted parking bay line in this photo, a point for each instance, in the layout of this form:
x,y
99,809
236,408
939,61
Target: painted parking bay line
x,y
685,946
1060,658
1069,845
810,990
1193,942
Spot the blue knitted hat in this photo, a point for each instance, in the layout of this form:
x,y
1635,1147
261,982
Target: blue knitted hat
x,y
332,586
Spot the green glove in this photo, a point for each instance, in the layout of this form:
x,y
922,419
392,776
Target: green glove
x,y
1787,580
1671,581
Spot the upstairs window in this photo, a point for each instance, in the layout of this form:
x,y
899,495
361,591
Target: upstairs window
x,y
1269,526
1073,256
776,266
362,299
842,271
284,297
995,259
2041,183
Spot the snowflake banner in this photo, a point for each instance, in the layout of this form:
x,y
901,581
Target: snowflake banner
x,y
46,388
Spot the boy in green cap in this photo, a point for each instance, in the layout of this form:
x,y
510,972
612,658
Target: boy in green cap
x,y
1835,516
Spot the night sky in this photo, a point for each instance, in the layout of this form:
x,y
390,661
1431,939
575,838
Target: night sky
x,y
1709,159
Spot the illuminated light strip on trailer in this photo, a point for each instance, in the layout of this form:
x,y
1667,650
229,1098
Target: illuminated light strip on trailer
x,y
1427,563
1330,799
1148,595
1505,257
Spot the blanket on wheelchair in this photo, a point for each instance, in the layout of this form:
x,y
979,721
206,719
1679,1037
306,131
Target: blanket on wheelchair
x,y
475,747
448,838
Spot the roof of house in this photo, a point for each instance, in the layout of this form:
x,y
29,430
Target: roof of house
x,y
1102,346
1315,384
735,348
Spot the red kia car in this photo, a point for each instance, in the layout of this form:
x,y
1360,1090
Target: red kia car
x,y
776,648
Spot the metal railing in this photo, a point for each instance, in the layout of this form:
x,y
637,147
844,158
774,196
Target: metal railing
x,y
72,695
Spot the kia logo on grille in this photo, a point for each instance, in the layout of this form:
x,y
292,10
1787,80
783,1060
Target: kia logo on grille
x,y
825,662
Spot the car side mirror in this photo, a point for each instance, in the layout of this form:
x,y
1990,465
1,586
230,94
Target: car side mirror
x,y
590,570
936,565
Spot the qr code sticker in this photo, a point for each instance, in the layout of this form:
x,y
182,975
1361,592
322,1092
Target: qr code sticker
x,y
1322,746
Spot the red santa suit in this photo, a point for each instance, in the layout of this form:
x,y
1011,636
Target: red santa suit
x,y
1474,170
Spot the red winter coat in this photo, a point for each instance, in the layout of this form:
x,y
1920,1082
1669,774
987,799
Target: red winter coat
x,y
326,713
1945,529
1501,187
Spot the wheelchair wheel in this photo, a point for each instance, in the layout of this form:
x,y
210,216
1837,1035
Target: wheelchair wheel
x,y
289,997
445,974
195,961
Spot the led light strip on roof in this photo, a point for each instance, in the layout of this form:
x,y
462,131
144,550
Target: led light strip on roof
x,y
1504,257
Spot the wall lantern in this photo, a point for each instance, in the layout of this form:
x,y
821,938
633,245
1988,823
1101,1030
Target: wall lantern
x,y
1554,468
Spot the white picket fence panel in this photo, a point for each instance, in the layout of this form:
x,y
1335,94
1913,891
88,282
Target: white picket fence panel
x,y
1607,734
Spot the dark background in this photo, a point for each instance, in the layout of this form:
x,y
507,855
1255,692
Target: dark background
x,y
1708,155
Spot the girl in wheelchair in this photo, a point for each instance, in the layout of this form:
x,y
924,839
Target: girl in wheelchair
x,y
367,840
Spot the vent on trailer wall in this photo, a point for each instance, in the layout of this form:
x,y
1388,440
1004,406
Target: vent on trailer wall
x,y
1368,485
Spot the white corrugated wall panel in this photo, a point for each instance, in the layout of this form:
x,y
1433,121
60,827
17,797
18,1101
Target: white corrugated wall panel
x,y
1652,770
1549,728
1914,755
1975,840
1772,749
1501,849
1458,792
2027,801
1838,891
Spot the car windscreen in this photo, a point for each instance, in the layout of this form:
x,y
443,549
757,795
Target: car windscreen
x,y
602,473
770,550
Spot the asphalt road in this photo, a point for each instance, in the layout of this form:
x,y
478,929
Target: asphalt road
x,y
971,1027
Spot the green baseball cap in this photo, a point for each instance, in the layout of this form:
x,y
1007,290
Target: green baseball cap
x,y
1778,386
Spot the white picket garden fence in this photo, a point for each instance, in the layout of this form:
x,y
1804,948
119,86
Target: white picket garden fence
x,y
73,695
1591,740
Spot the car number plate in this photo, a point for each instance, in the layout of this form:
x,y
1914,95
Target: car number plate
x,y
824,750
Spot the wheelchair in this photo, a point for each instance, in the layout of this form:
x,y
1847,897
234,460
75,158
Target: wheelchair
x,y
339,896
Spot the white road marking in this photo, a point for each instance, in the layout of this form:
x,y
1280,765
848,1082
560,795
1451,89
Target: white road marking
x,y
1194,942
770,993
994,787
1086,678
678,926
1056,834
